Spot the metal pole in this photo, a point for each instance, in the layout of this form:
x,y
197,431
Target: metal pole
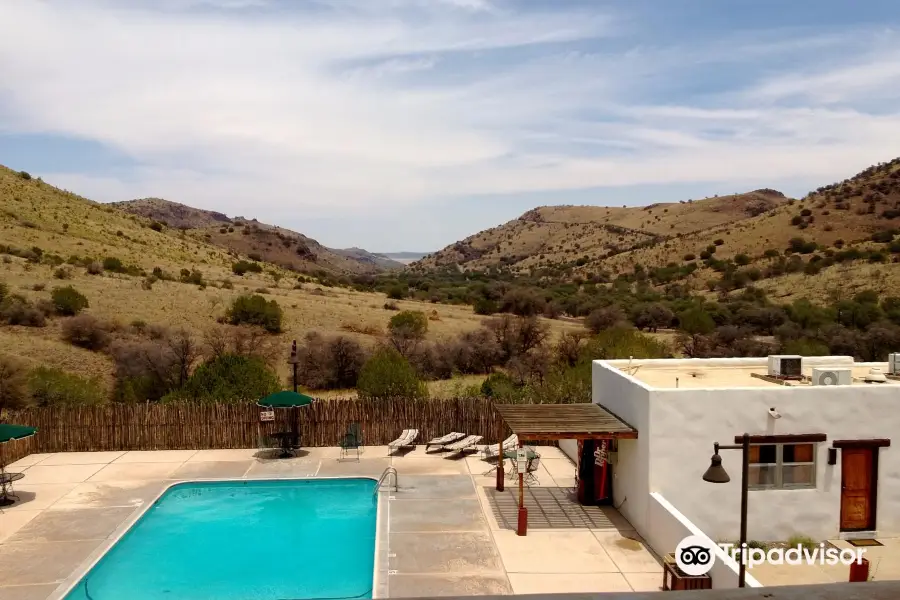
x,y
745,477
522,528
500,460
294,363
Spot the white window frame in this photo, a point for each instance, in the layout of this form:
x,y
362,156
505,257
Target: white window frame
x,y
779,465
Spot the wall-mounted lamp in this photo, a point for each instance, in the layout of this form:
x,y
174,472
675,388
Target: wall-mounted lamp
x,y
832,456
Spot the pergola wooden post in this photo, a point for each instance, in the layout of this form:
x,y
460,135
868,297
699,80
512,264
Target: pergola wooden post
x,y
539,422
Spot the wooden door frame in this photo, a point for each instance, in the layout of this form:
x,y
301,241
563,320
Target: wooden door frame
x,y
872,445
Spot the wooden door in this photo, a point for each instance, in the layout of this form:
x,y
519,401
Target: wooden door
x,y
858,481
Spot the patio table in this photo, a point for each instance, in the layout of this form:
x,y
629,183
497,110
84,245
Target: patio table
x,y
289,441
6,491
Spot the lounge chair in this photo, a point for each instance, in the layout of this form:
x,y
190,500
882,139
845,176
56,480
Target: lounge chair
x,y
407,439
352,440
495,450
444,440
464,445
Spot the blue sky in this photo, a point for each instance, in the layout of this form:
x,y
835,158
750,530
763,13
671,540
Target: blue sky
x,y
408,124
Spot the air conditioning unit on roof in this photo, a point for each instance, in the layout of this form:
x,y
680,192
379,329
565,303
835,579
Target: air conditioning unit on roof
x,y
832,377
785,366
894,363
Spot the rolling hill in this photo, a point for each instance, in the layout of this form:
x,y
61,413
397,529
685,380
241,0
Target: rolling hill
x,y
286,248
584,241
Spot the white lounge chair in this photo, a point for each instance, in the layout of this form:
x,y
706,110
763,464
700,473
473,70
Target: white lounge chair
x,y
495,450
444,440
407,439
464,445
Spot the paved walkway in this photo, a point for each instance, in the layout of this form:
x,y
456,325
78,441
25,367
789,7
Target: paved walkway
x,y
884,565
450,532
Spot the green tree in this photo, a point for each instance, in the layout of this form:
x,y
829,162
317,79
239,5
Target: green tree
x,y
53,387
387,374
229,378
406,329
68,301
256,310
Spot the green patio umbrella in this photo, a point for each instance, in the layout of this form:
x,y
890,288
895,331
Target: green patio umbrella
x,y
13,432
288,399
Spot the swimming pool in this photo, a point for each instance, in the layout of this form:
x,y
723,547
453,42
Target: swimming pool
x,y
244,540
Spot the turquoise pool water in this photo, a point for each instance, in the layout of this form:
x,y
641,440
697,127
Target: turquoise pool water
x,y
244,540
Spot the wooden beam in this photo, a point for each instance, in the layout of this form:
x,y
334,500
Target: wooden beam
x,y
874,443
789,438
615,435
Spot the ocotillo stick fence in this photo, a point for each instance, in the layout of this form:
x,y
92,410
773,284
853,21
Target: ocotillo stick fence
x,y
155,426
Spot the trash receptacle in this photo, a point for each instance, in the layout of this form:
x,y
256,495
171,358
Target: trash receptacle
x,y
859,570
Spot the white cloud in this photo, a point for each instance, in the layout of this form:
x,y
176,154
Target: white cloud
x,y
264,112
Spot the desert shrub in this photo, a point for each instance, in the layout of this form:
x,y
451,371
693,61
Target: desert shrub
x,y
256,310
157,226
255,257
85,331
227,285
229,378
517,335
522,302
485,306
652,316
806,347
192,276
25,175
500,386
391,306
13,383
604,318
623,342
397,292
689,257
62,273
113,264
68,301
94,268
473,352
242,266
242,341
387,374
53,387
329,363
802,541
16,310
4,291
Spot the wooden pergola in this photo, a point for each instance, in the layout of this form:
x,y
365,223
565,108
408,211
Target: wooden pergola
x,y
537,422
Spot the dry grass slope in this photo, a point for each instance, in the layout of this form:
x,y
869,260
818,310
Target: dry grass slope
x,y
34,213
594,239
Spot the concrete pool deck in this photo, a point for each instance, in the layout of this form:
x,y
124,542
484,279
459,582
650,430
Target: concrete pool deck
x,y
450,532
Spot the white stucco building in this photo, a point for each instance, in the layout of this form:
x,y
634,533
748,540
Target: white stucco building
x,y
681,407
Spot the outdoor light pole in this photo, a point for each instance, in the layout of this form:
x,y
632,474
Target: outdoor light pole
x,y
716,474
293,362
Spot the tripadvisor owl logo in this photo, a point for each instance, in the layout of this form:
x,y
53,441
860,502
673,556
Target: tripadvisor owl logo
x,y
695,555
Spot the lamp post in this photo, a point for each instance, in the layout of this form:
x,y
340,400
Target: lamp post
x,y
293,362
295,425
716,474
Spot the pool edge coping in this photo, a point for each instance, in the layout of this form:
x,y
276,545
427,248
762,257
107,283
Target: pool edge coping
x,y
68,584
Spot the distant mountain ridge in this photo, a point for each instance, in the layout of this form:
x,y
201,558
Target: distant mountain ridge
x,y
270,243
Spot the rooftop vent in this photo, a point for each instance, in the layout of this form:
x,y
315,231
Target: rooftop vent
x,y
875,375
785,366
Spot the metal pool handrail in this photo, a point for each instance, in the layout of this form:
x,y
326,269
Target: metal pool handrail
x,y
387,472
